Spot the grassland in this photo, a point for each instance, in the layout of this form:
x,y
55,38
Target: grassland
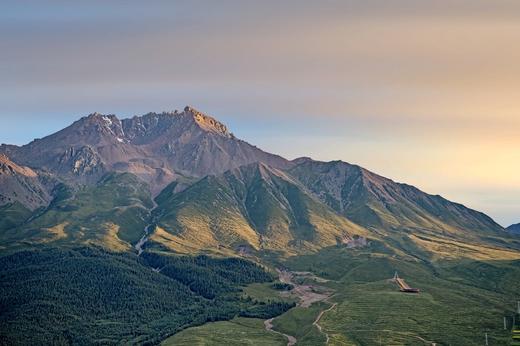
x,y
265,292
459,300
298,322
237,332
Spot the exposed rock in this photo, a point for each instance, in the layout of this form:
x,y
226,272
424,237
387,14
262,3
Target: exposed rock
x,y
82,161
22,184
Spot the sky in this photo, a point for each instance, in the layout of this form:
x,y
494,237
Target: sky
x,y
423,92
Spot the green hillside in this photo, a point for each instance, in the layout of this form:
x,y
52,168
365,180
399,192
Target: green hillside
x,y
460,301
13,215
112,214
254,206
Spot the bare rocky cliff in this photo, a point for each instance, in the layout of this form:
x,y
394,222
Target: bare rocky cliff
x,y
22,184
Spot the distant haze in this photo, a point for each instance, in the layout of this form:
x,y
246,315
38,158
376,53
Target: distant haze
x,y
424,92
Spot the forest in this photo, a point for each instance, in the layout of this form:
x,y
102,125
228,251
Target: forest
x,y
88,295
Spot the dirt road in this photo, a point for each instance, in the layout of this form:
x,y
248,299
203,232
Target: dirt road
x,y
291,340
316,322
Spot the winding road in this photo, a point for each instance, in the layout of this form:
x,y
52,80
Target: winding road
x,y
291,340
316,322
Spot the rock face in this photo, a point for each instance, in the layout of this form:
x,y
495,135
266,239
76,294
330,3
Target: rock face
x,y
193,143
22,184
514,229
158,148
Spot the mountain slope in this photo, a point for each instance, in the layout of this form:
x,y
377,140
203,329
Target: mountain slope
x,y
158,148
23,185
375,201
112,214
514,229
240,196
254,206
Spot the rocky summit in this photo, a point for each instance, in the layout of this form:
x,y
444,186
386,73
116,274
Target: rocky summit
x,y
157,147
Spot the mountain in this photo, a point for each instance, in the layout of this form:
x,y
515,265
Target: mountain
x,y
253,206
377,202
93,183
514,229
128,231
158,148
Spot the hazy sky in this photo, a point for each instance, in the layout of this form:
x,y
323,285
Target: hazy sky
x,y
423,92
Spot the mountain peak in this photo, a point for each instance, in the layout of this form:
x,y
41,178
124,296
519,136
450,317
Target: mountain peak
x,y
207,122
106,124
302,159
101,116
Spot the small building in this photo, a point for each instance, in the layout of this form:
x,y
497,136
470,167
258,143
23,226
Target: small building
x,y
403,286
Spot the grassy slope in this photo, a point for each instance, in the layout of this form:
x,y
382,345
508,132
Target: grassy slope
x,y
13,215
253,206
237,332
206,215
264,292
460,300
298,323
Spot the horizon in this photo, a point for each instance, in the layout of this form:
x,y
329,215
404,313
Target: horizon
x,y
422,93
